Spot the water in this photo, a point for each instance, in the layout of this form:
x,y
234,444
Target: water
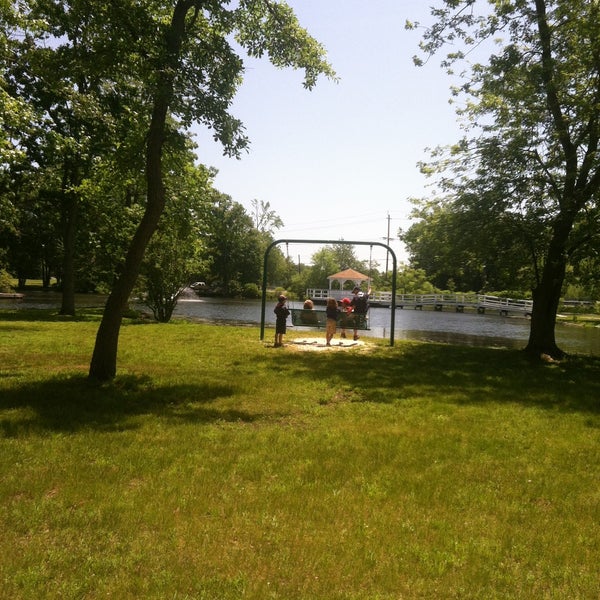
x,y
425,325
447,326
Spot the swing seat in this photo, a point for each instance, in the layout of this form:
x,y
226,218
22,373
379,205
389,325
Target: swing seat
x,y
302,317
354,321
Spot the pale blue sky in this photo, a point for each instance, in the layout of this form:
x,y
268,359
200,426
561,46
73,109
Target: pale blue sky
x,y
333,162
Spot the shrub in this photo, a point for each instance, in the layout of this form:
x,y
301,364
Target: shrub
x,y
251,291
5,282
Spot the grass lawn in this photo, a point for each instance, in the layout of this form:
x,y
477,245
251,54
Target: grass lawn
x,y
218,467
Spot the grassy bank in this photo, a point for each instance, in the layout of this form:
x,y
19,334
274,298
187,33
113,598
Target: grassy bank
x,y
586,319
216,466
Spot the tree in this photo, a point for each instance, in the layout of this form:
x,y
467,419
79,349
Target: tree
x,y
280,269
35,249
414,281
15,114
266,220
167,264
582,281
231,245
536,107
173,253
53,64
187,67
345,256
468,241
324,263
331,259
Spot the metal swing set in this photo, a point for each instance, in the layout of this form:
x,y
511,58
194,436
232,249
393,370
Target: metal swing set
x,y
317,318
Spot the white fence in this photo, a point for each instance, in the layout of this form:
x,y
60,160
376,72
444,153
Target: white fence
x,y
480,302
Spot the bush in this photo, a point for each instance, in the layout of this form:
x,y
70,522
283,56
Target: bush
x,y
575,307
279,290
513,294
250,291
5,282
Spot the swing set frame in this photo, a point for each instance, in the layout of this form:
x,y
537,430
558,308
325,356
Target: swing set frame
x,y
321,242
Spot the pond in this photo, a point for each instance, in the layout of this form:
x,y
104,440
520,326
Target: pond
x,y
426,325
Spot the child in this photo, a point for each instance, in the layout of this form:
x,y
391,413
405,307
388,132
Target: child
x,y
308,316
282,312
346,319
333,312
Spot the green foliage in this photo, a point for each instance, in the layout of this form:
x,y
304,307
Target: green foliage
x,y
173,253
583,278
5,281
299,282
345,258
279,268
529,176
114,197
56,66
511,294
473,243
324,263
275,293
232,247
272,29
266,220
120,85
327,261
413,281
251,291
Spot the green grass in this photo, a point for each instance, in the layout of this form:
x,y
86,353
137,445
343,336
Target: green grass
x,y
217,467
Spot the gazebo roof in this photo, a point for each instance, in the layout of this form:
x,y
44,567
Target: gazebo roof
x,y
350,274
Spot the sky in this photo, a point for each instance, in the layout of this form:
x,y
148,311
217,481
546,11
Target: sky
x,y
340,161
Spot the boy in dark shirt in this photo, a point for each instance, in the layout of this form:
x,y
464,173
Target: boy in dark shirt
x,y
282,312
360,304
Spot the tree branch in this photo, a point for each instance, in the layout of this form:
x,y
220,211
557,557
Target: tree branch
x,y
553,102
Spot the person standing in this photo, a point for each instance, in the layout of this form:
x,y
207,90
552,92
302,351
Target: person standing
x,y
282,312
332,313
360,305
346,318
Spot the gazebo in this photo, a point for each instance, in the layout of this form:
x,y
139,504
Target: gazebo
x,y
340,279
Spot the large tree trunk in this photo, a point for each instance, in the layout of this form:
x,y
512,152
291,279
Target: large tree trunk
x,y
546,295
543,319
104,359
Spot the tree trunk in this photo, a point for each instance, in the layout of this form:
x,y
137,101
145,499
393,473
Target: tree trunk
x,y
103,366
104,359
543,320
546,295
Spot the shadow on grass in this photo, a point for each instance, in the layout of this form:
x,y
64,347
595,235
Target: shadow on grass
x,y
457,374
52,315
74,404
49,314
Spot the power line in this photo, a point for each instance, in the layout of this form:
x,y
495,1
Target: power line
x,y
348,219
